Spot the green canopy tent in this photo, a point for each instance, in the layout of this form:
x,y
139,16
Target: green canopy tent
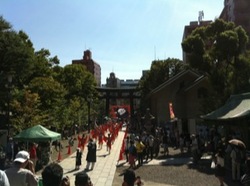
x,y
237,106
37,133
234,115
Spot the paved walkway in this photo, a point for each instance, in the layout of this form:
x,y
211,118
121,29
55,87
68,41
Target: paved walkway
x,y
105,167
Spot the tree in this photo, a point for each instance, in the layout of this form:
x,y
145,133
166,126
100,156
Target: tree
x,y
217,50
80,85
160,71
25,109
51,94
78,81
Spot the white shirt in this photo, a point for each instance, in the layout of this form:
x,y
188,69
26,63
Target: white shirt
x,y
4,181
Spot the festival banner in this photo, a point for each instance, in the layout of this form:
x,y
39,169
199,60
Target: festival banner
x,y
171,111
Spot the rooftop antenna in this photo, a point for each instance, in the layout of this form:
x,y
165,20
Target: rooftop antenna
x,y
201,16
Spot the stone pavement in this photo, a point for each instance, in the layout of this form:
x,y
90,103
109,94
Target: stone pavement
x,y
105,167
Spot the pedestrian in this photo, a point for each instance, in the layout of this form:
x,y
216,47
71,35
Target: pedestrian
x,y
165,143
108,142
82,179
139,149
53,175
195,149
129,178
150,147
91,155
219,166
83,141
100,139
132,155
78,158
10,149
236,156
157,143
245,179
4,181
18,175
127,145
33,153
181,141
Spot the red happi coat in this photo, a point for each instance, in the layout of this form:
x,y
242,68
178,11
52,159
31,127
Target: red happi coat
x,y
108,141
84,140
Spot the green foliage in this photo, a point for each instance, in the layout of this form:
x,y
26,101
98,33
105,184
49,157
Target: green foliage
x,y
42,92
159,72
25,110
218,50
78,81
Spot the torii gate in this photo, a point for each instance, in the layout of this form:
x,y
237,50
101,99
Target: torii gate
x,y
108,93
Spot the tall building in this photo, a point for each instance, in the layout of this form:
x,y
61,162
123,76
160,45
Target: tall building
x,y
91,65
237,11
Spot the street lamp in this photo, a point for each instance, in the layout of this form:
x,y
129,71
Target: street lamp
x,y
9,78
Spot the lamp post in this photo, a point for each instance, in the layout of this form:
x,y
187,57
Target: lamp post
x,y
9,77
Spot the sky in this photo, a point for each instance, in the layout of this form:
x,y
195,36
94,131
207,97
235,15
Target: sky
x,y
124,36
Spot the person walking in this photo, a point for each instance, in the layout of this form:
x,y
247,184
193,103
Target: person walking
x,y
91,155
236,156
108,142
78,158
150,146
139,149
132,155
4,181
18,174
83,140
127,145
100,139
219,168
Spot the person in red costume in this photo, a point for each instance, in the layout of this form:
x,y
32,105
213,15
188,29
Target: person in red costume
x,y
108,142
82,141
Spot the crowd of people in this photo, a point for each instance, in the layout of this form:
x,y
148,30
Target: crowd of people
x,y
142,146
24,162
139,148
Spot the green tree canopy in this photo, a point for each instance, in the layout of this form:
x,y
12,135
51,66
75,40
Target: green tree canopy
x,y
160,71
218,50
42,92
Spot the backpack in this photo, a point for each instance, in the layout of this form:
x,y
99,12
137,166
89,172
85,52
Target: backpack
x,y
238,156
